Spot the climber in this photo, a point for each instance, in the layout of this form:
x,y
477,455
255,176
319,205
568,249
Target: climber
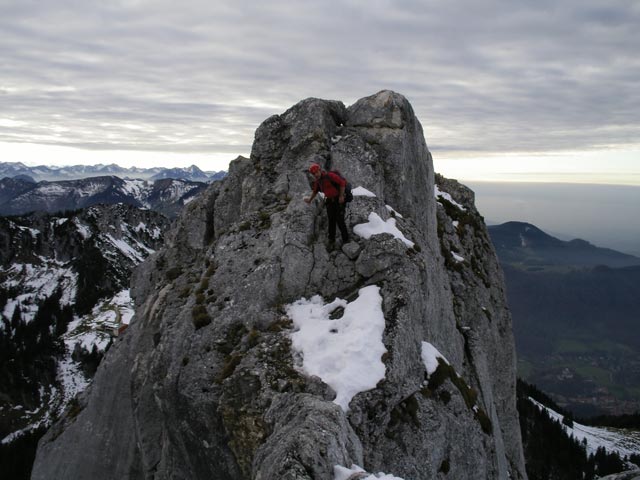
x,y
332,186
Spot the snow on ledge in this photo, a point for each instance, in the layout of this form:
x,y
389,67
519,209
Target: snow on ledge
x,y
362,192
447,197
457,257
345,353
343,473
430,355
392,211
376,226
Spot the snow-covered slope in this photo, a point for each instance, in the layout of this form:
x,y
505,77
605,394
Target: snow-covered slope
x,y
64,294
623,442
89,334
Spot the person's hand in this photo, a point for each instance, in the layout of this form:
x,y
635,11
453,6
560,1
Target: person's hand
x,y
307,199
341,199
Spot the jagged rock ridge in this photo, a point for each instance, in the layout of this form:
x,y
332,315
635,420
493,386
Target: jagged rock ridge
x,y
205,383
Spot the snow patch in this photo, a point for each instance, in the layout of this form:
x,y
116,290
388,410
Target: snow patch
x,y
141,227
362,192
71,379
430,356
391,210
126,249
91,188
136,188
154,233
346,353
440,194
376,226
523,241
83,230
457,257
343,473
52,190
123,301
93,330
142,246
110,313
38,282
34,233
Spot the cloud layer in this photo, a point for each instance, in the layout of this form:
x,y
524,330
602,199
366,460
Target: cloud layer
x,y
200,76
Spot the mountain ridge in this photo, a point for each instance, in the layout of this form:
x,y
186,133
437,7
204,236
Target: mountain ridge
x,y
166,196
574,308
75,172
525,245
217,387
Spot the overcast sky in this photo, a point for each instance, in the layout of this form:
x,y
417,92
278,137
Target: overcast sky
x,y
532,90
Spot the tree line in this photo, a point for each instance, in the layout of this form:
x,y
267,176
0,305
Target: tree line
x,y
550,453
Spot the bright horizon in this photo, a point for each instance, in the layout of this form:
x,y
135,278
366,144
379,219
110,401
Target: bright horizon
x,y
605,167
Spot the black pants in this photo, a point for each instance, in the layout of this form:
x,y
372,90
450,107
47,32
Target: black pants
x,y
335,214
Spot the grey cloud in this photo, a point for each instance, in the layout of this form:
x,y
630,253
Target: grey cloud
x,y
486,76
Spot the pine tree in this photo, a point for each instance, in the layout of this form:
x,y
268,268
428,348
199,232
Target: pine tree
x,y
16,318
549,452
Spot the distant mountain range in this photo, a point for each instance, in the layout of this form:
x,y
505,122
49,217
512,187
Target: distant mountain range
x,y
41,172
575,318
526,246
167,196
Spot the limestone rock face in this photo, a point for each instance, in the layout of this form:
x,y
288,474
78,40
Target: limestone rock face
x,y
205,383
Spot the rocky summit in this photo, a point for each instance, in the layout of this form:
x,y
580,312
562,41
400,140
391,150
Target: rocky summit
x,y
260,351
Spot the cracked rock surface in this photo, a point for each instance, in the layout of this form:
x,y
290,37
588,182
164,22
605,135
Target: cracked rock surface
x,y
204,383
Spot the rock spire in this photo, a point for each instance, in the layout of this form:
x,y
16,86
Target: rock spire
x,y
207,382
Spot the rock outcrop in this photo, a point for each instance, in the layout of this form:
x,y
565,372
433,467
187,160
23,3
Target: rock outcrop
x,y
206,383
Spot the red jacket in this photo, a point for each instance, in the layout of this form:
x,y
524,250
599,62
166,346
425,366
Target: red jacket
x,y
329,184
